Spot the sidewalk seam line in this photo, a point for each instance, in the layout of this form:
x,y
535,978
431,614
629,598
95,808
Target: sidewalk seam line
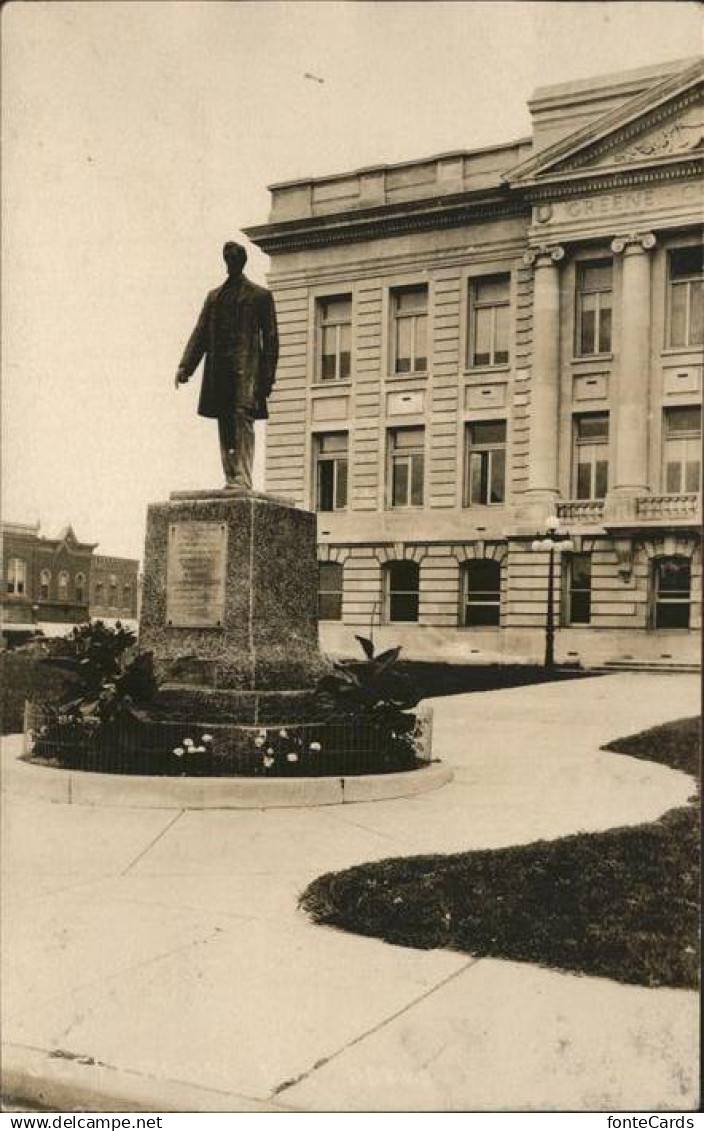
x,y
151,844
325,1060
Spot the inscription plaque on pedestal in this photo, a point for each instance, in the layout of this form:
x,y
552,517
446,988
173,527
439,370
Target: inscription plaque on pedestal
x,y
195,574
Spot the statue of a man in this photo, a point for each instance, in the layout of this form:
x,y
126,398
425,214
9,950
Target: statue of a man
x,y
237,334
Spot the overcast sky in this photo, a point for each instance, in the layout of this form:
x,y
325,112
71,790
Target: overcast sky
x,y
138,137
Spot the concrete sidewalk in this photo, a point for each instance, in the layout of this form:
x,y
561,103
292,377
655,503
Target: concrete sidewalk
x,y
156,959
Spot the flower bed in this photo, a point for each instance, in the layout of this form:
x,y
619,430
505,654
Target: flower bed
x,y
116,717
334,747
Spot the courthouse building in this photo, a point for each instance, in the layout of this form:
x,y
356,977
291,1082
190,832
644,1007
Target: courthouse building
x,y
477,341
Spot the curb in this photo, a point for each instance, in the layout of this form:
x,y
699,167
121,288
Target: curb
x,y
81,787
65,1083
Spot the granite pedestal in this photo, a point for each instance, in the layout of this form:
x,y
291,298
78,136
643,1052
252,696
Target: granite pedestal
x,y
229,605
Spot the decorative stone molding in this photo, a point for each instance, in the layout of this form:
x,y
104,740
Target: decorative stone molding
x,y
328,553
544,255
480,550
624,549
668,547
400,552
633,241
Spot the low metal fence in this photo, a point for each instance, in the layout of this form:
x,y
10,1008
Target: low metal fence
x,y
130,745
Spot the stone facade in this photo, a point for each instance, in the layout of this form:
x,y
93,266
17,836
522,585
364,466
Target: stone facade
x,y
61,580
474,342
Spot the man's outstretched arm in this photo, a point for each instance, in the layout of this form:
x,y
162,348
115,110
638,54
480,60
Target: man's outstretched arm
x,y
195,348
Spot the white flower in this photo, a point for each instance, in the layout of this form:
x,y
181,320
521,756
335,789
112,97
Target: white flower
x,y
291,757
188,742
283,734
315,747
262,733
179,751
206,738
270,749
199,750
268,761
259,741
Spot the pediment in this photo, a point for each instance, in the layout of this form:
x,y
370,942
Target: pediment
x,y
678,133
664,125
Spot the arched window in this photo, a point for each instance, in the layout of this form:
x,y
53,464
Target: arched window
x,y
672,590
99,593
481,593
44,584
329,591
80,586
63,585
113,591
401,591
16,576
127,596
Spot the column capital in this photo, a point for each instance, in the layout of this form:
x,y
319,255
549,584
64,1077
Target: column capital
x,y
544,255
633,242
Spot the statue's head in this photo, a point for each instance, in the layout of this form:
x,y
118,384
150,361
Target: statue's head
x,y
235,257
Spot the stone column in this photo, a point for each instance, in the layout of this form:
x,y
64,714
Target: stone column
x,y
631,395
545,380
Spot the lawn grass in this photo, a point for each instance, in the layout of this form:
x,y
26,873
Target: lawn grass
x,y
622,904
436,679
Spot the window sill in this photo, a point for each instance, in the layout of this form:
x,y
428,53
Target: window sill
x,y
482,507
404,510
480,371
420,375
681,351
330,385
592,359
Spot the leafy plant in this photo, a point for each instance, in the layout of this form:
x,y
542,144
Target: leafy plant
x,y
373,689
368,686
105,674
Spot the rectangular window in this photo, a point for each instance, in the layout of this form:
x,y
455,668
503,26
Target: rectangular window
x,y
485,463
481,587
682,450
402,583
410,329
329,591
331,471
579,589
686,297
407,466
334,337
489,320
673,592
16,576
591,456
594,308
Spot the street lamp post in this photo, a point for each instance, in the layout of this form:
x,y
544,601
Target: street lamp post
x,y
554,541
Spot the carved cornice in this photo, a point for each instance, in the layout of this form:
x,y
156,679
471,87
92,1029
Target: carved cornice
x,y
390,220
544,255
558,188
633,241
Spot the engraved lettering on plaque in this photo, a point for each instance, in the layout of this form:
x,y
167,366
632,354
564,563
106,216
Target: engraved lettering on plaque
x,y
195,574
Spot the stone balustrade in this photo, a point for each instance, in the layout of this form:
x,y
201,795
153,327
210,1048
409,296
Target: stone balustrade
x,y
581,511
653,507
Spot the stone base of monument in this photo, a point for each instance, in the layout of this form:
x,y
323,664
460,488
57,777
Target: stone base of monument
x,y
229,613
229,601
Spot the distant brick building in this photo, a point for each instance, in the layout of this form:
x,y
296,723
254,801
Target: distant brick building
x,y
114,585
61,580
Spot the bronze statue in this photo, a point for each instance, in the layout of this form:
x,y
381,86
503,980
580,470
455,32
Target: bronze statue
x,y
237,334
